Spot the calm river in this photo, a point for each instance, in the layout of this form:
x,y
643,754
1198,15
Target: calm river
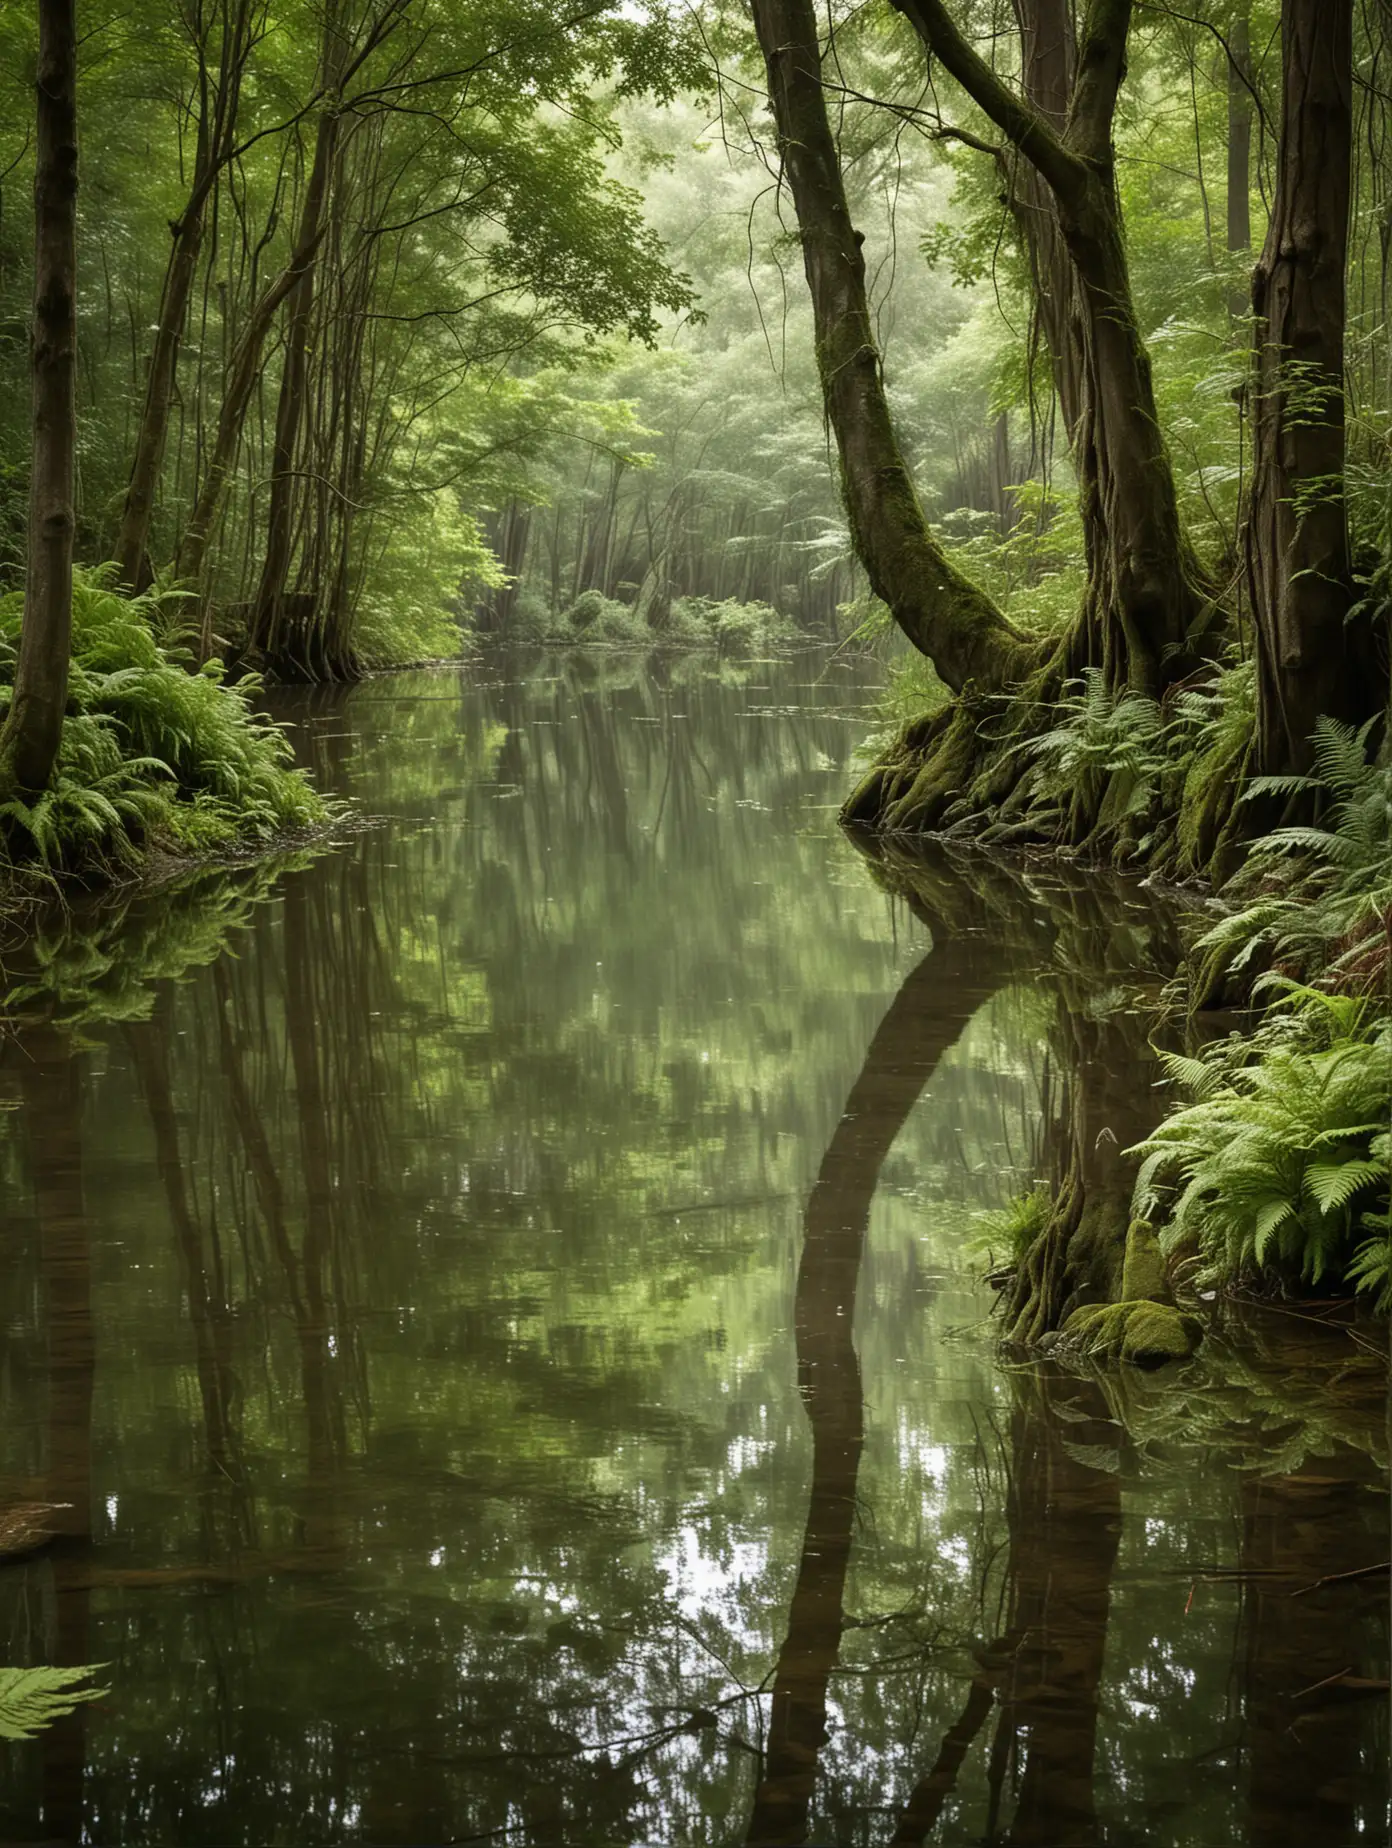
x,y
500,1305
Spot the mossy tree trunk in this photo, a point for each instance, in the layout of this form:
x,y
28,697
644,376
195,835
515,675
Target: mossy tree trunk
x,y
33,728
1311,658
1144,606
943,615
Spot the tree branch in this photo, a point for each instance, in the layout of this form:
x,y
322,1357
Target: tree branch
x,y
1018,120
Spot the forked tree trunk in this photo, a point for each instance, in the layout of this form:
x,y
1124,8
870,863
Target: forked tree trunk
x,y
34,726
268,611
218,98
1143,605
1310,659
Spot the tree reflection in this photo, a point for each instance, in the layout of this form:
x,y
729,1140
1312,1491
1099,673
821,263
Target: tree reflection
x,y
924,1020
51,1084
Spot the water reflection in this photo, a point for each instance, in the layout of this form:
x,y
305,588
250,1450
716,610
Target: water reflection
x,y
495,1304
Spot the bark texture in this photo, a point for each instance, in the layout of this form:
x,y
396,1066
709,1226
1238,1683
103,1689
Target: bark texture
x,y
1239,207
34,726
1145,610
1310,658
1144,604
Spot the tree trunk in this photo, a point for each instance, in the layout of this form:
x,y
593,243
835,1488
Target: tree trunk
x,y
943,615
1143,603
34,726
133,536
240,384
268,609
1310,661
1143,612
1048,63
218,98
1239,135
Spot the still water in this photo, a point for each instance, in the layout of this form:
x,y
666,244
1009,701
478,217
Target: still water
x,y
500,1304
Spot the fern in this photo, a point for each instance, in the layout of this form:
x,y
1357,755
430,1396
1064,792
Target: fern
x,y
1282,1157
150,751
1334,880
33,1698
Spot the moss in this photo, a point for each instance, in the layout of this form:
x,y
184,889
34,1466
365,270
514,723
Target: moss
x,y
1143,1275
1144,1333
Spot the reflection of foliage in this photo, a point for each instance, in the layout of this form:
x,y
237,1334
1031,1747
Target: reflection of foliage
x,y
1263,1395
33,1698
101,963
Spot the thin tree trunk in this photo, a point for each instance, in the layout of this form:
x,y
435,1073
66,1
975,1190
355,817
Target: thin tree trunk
x,y
217,126
267,614
1309,660
34,725
236,398
1239,135
133,535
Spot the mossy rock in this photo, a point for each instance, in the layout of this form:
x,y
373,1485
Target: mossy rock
x,y
1143,1333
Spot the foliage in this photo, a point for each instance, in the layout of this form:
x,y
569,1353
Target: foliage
x,y
152,755
33,1698
1323,891
1006,1234
1281,1159
1106,751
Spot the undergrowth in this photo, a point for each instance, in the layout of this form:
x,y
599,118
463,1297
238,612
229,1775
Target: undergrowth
x,y
152,755
1279,1164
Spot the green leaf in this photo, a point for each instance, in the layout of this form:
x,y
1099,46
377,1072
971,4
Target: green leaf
x,y
32,1698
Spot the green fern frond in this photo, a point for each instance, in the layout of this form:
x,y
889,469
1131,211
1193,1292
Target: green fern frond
x,y
33,1698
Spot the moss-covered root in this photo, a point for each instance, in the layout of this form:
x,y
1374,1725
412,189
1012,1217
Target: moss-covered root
x,y
1143,1332
1077,1258
1079,1287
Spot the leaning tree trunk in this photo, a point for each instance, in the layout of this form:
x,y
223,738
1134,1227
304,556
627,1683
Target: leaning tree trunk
x,y
1142,612
219,97
1311,659
238,387
137,510
34,726
942,614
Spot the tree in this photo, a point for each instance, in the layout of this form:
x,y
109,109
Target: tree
x,y
1145,606
1314,653
217,94
34,725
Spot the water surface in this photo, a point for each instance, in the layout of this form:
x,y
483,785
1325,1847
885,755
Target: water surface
x,y
499,1303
